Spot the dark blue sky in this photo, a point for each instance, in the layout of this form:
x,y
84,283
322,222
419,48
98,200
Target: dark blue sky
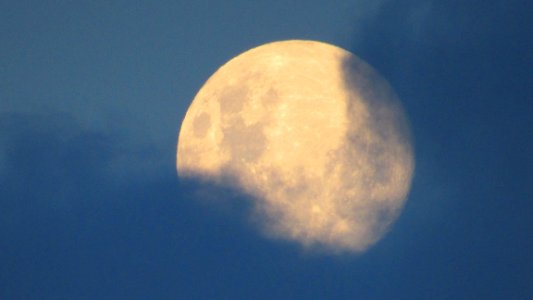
x,y
92,97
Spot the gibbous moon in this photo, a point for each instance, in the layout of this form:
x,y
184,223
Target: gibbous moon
x,y
316,137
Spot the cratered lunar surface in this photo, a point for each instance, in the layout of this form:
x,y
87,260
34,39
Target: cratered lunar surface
x,y
315,136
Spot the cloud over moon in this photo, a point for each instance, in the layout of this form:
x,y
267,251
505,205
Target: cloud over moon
x,y
315,137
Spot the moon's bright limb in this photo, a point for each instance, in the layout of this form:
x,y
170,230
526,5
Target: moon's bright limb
x,y
313,133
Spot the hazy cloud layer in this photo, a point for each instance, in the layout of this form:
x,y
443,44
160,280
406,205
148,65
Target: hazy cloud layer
x,y
39,140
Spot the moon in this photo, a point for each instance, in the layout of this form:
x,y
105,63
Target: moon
x,y
313,133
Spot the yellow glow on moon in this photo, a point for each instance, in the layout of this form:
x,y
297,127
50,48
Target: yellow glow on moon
x,y
313,133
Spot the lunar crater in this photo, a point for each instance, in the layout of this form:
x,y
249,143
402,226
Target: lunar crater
x,y
201,125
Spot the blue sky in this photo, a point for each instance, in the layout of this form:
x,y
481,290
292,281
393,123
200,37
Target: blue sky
x,y
92,96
